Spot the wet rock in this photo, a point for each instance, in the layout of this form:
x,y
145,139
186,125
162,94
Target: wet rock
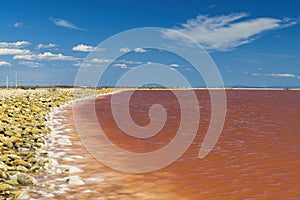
x,y
25,179
35,168
22,133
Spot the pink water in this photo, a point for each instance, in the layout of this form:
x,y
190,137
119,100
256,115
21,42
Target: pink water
x,y
256,157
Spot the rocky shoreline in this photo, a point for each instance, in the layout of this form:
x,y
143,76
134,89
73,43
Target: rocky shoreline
x,y
23,133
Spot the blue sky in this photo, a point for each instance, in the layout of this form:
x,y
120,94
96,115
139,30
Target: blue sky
x,y
253,43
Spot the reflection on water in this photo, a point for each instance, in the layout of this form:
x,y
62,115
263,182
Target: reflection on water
x,y
256,157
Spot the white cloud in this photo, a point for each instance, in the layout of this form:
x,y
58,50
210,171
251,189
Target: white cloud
x,y
92,62
174,65
226,32
123,66
81,64
4,63
256,74
24,57
45,56
149,63
18,24
283,75
15,45
97,60
66,24
5,51
130,62
78,64
30,63
124,50
86,48
140,50
46,46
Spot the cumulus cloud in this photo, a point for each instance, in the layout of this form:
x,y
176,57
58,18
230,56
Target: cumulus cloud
x,y
140,50
45,56
278,75
4,63
121,65
65,24
130,62
46,46
97,60
18,24
15,45
256,74
86,48
81,64
283,75
225,32
124,50
5,51
174,65
92,62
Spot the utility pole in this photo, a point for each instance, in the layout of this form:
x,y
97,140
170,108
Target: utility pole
x,y
6,82
16,74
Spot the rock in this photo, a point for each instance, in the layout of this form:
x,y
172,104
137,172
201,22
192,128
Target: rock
x,y
35,168
4,187
39,144
9,133
25,179
4,158
11,151
6,142
74,180
31,160
2,129
12,182
22,153
23,131
13,156
35,131
3,175
19,168
22,162
3,166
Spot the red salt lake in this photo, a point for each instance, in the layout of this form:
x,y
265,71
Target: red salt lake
x,y
256,157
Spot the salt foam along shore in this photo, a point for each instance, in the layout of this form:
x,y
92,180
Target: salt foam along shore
x,y
59,138
22,136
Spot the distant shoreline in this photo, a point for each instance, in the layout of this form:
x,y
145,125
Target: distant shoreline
x,y
144,88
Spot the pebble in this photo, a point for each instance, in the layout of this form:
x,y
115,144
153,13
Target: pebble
x,y
25,179
23,134
4,187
